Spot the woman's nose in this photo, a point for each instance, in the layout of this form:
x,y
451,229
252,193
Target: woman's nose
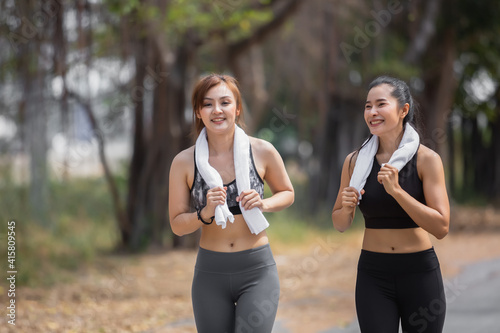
x,y
217,108
373,111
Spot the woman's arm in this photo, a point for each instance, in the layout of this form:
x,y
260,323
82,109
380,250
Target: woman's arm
x,y
347,198
434,216
278,181
182,221
275,176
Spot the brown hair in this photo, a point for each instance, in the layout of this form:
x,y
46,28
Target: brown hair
x,y
203,86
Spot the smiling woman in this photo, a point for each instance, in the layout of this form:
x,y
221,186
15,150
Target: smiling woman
x,y
398,270
235,285
225,91
219,109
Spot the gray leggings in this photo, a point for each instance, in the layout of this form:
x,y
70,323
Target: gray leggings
x,y
235,292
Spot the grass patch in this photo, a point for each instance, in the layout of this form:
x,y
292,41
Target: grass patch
x,y
80,227
290,228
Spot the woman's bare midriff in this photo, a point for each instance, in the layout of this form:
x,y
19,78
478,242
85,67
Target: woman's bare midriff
x,y
235,237
396,240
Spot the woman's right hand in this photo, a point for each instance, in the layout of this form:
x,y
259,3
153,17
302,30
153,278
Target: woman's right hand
x,y
350,198
215,196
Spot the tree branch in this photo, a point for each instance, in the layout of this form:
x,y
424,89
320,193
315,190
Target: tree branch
x,y
259,5
241,46
426,30
119,212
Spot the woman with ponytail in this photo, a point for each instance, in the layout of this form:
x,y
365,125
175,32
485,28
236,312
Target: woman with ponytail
x,y
399,185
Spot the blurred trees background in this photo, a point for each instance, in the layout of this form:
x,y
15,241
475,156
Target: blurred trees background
x,y
110,81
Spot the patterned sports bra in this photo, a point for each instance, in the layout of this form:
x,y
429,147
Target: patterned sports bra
x,y
199,188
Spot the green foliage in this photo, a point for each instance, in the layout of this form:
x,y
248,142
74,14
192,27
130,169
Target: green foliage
x,y
83,228
105,39
470,16
469,197
122,7
206,19
393,67
288,228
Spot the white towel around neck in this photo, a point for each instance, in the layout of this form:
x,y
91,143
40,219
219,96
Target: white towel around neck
x,y
407,148
254,218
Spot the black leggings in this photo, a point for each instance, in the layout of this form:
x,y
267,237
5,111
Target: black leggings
x,y
393,287
235,292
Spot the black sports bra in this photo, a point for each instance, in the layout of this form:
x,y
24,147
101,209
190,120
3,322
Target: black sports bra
x,y
380,209
199,188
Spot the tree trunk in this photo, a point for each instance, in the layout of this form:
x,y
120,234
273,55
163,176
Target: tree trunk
x,y
495,156
35,115
341,130
451,158
427,29
155,148
487,174
466,155
138,145
36,118
440,87
253,85
479,168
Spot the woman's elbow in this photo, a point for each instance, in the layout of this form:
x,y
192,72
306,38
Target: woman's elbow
x,y
339,226
177,231
442,232
292,198
286,200
176,228
339,229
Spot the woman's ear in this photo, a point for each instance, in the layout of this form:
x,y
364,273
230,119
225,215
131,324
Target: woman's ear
x,y
406,109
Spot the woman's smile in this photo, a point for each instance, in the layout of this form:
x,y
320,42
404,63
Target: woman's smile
x,y
376,122
218,120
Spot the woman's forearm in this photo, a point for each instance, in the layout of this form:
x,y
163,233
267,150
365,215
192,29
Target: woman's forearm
x,y
278,201
424,216
342,219
187,223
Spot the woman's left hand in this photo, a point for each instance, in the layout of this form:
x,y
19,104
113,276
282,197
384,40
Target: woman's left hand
x,y
250,199
389,177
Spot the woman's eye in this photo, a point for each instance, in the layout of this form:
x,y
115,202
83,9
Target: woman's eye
x,y
206,105
225,103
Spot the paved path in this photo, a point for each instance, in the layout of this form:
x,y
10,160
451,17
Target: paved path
x,y
473,301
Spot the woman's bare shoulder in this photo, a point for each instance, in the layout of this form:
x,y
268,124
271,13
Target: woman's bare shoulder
x,y
428,161
260,144
185,158
427,155
262,148
350,161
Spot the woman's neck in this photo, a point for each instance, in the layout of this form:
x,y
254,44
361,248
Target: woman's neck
x,y
220,144
389,142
